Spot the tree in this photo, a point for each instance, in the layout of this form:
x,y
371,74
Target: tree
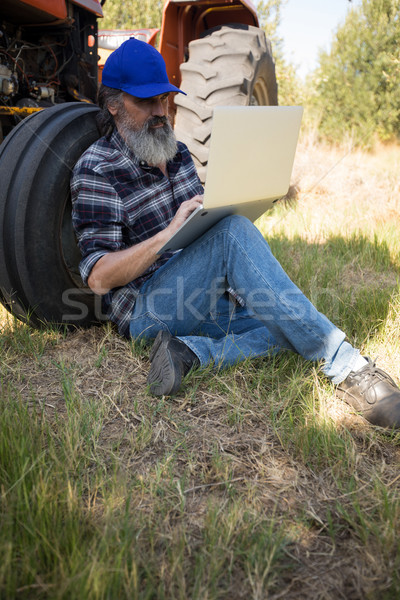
x,y
269,15
132,14
290,88
357,84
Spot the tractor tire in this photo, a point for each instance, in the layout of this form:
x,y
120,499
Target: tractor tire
x,y
39,256
229,65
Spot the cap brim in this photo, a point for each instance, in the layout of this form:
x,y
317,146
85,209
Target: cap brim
x,y
150,90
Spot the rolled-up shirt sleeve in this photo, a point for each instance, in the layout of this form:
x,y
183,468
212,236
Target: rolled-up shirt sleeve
x,y
98,216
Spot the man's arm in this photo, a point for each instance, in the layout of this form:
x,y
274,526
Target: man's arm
x,y
116,269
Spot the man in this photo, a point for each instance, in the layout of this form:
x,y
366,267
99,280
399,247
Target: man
x,y
131,190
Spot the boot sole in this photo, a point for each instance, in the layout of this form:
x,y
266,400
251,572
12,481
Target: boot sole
x,y
165,377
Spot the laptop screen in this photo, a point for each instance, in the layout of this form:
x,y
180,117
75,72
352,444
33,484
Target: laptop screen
x,y
251,153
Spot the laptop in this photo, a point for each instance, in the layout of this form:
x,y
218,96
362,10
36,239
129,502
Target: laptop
x,y
250,162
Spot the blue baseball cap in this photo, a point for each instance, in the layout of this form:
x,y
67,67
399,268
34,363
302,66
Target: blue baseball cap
x,y
138,69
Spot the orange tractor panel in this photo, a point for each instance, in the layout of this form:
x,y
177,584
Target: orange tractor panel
x,y
55,8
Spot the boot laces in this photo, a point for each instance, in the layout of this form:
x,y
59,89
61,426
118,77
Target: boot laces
x,y
369,375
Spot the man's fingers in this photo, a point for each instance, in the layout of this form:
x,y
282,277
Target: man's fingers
x,y
187,207
184,211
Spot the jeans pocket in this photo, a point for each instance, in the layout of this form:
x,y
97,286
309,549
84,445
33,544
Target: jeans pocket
x,y
146,326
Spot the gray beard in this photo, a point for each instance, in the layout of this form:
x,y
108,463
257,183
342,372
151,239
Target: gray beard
x,y
154,146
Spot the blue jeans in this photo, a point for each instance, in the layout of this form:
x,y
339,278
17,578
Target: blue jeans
x,y
187,297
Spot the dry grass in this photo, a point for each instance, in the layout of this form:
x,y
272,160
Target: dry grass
x,y
344,190
252,483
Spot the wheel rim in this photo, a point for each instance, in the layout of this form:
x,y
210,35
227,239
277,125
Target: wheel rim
x,y
259,97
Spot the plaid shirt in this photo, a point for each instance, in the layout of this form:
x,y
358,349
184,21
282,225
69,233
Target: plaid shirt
x,y
119,201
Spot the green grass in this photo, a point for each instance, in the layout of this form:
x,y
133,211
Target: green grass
x,y
253,482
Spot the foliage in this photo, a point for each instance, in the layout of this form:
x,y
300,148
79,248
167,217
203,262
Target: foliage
x,y
132,14
357,84
290,87
269,15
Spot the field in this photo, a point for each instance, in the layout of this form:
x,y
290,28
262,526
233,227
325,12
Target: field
x,y
254,482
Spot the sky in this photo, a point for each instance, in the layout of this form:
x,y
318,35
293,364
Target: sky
x,y
308,25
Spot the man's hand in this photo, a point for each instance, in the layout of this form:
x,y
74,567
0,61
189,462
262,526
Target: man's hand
x,y
118,268
183,212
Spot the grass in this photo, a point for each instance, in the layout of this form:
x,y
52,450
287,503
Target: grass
x,y
254,482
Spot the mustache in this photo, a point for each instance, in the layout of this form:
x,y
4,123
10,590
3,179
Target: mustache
x,y
157,121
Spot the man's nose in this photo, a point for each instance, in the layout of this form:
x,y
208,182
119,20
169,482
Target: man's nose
x,y
159,108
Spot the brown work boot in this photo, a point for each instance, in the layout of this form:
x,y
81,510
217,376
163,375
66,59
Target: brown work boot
x,y
373,394
170,361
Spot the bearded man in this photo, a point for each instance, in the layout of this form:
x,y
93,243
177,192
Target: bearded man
x,y
131,190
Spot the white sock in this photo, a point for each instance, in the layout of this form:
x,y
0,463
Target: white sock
x,y
360,363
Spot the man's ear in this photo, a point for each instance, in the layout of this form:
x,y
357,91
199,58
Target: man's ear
x,y
112,109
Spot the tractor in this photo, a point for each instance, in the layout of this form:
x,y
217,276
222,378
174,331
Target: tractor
x,y
51,58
